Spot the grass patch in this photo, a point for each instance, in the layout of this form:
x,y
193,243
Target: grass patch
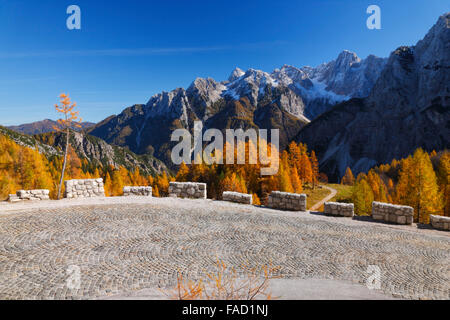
x,y
344,193
315,195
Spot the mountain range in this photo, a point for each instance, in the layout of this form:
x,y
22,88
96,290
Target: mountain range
x,y
286,99
43,126
353,112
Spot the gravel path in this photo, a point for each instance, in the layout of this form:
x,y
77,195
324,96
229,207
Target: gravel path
x,y
333,192
123,245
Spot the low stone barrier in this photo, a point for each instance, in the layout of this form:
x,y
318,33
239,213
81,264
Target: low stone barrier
x,y
237,197
339,209
87,188
137,191
440,222
287,201
392,213
31,195
187,190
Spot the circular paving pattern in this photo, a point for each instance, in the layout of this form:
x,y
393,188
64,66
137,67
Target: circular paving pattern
x,y
122,248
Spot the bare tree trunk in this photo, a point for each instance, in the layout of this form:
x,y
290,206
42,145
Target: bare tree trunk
x,y
64,164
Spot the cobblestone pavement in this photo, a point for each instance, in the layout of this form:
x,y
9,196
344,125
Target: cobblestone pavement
x,y
129,247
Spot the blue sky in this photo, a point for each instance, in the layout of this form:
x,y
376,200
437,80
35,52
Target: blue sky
x,y
126,51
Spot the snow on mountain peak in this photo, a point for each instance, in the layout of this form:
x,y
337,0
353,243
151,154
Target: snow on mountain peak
x,y
288,75
302,91
236,74
251,84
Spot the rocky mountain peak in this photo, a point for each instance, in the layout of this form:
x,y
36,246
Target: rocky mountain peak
x,y
172,104
286,98
205,91
349,75
408,108
288,75
252,85
416,76
346,59
236,74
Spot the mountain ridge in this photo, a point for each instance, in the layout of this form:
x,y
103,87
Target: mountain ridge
x,y
43,126
88,147
242,101
408,108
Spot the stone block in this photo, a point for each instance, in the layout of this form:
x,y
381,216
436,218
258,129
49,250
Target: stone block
x,y
392,213
84,188
287,201
188,190
339,209
237,197
440,222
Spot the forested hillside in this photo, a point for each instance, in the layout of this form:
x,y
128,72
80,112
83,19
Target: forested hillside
x,y
421,181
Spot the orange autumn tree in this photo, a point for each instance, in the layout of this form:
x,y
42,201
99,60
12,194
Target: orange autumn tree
x,y
418,187
305,168
235,183
295,169
443,175
315,169
22,168
183,172
417,181
348,178
296,182
285,174
362,196
69,121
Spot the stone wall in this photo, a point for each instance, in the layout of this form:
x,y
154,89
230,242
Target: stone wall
x,y
392,213
287,201
32,195
440,222
187,190
87,188
237,197
339,209
137,191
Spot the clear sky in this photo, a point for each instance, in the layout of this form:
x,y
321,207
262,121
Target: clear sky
x,y
126,51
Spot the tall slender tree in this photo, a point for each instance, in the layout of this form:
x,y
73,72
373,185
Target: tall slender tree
x,y
362,197
183,172
69,121
443,174
348,178
428,200
315,169
296,182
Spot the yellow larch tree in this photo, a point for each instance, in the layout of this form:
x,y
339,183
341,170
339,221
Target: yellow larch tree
x,y
362,196
443,173
183,173
348,178
296,182
418,188
315,169
69,121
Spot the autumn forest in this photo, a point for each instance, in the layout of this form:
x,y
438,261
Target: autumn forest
x,y
420,180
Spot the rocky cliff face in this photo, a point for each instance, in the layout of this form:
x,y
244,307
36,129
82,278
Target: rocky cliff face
x,y
408,107
348,75
94,149
29,142
98,151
